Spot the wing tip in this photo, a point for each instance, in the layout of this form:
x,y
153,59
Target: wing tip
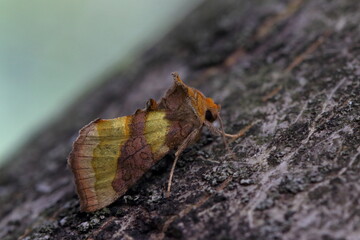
x,y
96,203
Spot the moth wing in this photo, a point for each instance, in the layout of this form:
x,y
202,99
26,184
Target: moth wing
x,y
93,160
109,156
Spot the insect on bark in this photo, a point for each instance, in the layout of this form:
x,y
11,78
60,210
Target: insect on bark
x,y
110,155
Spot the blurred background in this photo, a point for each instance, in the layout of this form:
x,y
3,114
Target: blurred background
x,y
53,51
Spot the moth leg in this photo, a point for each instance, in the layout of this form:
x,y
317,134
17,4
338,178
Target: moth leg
x,y
242,131
213,129
189,139
233,137
217,131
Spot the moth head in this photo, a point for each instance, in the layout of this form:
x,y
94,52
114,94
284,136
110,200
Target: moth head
x,y
198,100
212,110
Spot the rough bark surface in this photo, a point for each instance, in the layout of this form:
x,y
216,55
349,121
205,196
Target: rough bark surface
x,y
292,67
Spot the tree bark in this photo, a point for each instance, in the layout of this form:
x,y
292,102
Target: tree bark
x,y
289,67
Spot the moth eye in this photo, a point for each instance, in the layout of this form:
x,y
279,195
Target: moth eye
x,y
209,116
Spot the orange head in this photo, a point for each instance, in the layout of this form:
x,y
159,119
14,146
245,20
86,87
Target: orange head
x,y
205,107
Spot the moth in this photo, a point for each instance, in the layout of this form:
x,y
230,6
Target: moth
x,y
110,155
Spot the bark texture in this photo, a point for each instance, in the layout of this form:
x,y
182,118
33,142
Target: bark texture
x,y
291,67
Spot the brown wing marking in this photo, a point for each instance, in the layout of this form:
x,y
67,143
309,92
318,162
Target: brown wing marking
x,y
145,147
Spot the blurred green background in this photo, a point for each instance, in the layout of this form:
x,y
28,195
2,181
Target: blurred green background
x,y
53,51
